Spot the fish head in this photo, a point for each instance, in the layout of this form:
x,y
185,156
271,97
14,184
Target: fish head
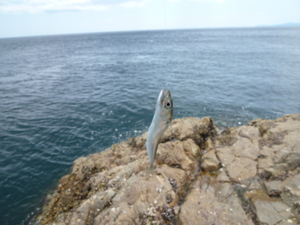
x,y
165,104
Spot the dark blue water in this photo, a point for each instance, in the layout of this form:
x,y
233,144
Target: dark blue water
x,y
62,97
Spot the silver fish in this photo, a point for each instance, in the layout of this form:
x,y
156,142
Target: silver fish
x,y
160,122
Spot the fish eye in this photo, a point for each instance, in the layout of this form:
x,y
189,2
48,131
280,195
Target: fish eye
x,y
168,105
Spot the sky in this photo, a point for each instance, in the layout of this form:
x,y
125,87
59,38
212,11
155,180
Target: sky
x,y
20,18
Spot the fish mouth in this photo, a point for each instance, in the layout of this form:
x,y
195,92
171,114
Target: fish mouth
x,y
164,93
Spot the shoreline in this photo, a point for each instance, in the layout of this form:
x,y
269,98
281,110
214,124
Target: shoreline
x,y
243,175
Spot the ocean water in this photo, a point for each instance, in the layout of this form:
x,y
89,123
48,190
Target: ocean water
x,y
62,97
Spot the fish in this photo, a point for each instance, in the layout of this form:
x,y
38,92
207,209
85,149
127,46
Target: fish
x,y
161,120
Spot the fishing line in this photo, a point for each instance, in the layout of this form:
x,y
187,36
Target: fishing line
x,y
165,41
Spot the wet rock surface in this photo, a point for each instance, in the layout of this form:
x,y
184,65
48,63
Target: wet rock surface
x,y
243,175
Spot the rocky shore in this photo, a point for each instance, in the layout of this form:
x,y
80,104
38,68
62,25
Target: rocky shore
x,y
243,175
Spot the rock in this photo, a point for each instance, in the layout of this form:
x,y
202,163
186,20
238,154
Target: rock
x,y
272,212
240,157
173,154
192,150
210,162
291,194
222,176
242,175
273,188
190,127
212,202
90,207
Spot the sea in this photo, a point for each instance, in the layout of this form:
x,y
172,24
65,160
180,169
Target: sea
x,y
67,96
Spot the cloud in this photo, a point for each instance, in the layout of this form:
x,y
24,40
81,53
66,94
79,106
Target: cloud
x,y
37,6
212,1
131,4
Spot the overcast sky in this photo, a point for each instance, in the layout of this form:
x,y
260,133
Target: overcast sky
x,y
43,17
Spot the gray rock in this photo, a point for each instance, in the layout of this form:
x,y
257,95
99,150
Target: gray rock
x,y
274,188
272,212
212,202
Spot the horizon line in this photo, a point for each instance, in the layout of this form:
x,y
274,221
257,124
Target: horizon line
x,y
284,25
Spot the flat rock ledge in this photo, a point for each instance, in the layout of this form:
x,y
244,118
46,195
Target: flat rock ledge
x,y
243,175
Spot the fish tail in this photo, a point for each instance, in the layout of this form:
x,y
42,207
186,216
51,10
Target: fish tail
x,y
153,158
151,165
